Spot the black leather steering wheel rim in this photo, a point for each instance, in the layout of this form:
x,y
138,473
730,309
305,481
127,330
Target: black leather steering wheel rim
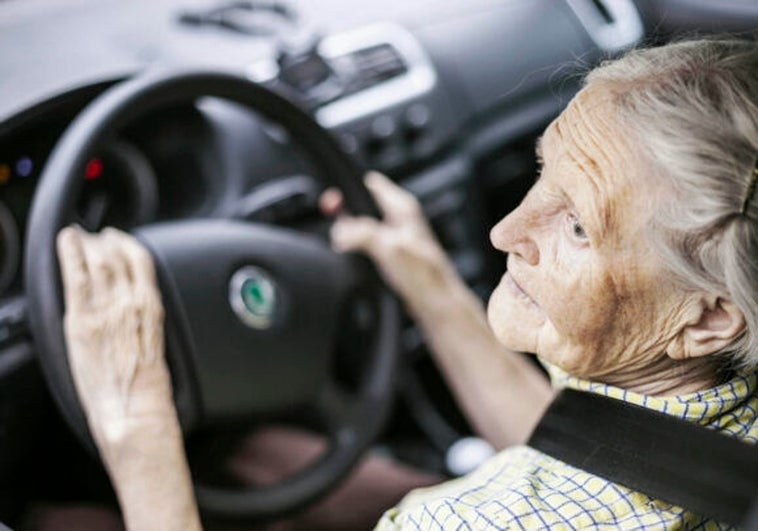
x,y
51,210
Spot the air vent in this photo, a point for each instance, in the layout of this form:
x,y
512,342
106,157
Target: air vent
x,y
612,24
373,65
380,66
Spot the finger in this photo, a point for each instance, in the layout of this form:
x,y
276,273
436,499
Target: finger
x,y
331,202
355,233
138,260
149,318
122,280
99,267
152,316
395,202
77,289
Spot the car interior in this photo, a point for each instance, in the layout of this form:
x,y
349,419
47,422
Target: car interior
x,y
209,128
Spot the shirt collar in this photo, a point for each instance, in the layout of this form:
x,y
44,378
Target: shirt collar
x,y
704,407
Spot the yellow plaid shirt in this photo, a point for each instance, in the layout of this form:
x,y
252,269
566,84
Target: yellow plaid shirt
x,y
521,488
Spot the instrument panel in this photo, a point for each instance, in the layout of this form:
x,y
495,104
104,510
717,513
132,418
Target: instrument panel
x,y
119,188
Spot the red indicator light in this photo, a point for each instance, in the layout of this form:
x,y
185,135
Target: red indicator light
x,y
94,169
5,173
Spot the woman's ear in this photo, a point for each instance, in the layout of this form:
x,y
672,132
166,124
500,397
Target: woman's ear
x,y
717,325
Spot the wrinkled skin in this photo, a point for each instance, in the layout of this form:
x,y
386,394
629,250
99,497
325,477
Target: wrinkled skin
x,y
402,244
485,376
584,290
114,337
114,329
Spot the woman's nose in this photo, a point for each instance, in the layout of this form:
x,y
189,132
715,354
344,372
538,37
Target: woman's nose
x,y
512,235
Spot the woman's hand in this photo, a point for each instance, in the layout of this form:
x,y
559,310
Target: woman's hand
x,y
402,245
485,377
114,335
114,332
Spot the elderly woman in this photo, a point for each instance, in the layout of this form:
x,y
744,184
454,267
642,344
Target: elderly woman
x,y
631,273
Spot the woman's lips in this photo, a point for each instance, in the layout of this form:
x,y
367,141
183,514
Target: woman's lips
x,y
517,290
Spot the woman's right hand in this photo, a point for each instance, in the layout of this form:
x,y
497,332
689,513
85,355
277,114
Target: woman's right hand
x,y
402,244
485,377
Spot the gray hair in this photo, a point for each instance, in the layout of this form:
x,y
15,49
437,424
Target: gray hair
x,y
693,108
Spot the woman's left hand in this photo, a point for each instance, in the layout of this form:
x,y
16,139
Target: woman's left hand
x,y
114,332
114,335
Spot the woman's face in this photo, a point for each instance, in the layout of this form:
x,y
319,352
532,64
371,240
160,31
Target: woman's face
x,y
583,290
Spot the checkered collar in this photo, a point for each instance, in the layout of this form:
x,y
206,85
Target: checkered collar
x,y
706,407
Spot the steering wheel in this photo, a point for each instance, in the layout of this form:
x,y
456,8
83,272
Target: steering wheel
x,y
252,310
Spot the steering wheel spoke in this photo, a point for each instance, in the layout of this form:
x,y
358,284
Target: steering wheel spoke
x,y
334,407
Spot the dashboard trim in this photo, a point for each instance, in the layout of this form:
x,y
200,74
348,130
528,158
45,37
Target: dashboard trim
x,y
420,78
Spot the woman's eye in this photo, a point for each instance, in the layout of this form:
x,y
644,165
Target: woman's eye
x,y
576,228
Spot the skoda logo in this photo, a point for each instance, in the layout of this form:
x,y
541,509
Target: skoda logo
x,y
253,297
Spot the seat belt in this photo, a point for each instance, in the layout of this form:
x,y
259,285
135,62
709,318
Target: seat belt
x,y
651,452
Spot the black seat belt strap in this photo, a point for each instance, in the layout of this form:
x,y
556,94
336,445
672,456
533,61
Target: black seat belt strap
x,y
651,452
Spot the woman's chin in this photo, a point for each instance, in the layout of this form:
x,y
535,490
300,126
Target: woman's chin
x,y
514,324
513,342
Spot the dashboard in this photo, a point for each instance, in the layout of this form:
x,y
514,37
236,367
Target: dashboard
x,y
120,184
445,97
